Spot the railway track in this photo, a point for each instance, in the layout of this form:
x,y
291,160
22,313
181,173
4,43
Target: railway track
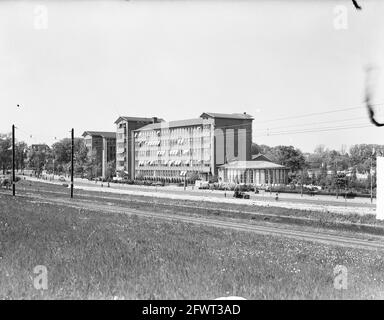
x,y
376,243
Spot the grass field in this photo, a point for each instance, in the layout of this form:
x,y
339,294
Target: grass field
x,y
96,255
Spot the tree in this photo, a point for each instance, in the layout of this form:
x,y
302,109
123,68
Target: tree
x,y
5,152
37,160
111,169
21,155
80,157
260,148
288,156
361,154
92,168
62,151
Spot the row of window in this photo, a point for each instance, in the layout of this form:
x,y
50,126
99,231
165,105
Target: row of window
x,y
172,163
198,153
174,133
163,173
172,142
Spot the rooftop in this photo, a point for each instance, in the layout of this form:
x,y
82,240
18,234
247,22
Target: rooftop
x,y
103,134
138,119
260,157
252,165
174,124
238,116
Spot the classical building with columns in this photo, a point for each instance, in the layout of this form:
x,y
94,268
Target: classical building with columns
x,y
259,171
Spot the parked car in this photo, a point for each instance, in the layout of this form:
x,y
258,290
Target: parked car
x,y
62,179
350,195
5,182
240,194
158,184
202,184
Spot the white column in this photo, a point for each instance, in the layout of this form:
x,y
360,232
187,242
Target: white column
x,y
262,177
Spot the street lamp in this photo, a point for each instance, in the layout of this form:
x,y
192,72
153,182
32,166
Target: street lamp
x,y
370,173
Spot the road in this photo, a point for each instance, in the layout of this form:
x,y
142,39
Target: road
x,y
319,203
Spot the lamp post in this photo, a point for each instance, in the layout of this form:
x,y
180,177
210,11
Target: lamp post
x,y
371,175
13,162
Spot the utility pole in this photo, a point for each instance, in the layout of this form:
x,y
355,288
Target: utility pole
x,y
185,180
302,173
72,155
370,173
337,182
13,162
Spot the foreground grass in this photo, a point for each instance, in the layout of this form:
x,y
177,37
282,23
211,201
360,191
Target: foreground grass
x,y
97,255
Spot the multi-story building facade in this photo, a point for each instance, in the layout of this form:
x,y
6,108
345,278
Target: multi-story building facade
x,y
102,148
176,150
124,128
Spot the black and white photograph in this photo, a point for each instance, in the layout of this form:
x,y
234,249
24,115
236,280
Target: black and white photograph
x,y
218,151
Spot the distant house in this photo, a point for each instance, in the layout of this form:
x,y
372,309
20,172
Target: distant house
x,y
101,145
259,171
40,147
314,172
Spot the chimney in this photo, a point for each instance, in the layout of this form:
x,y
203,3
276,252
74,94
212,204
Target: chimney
x,y
154,119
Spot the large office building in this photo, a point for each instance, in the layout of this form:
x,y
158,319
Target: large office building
x,y
176,150
101,148
124,142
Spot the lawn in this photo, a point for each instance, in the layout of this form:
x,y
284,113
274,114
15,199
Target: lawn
x,y
96,255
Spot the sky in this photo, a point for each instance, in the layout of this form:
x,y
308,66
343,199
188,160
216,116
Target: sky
x,y
296,66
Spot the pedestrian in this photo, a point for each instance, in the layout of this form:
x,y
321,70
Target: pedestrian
x,y
277,196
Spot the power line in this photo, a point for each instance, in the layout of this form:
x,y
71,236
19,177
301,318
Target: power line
x,y
33,136
308,124
316,130
317,113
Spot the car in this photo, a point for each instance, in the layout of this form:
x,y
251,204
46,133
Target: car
x,y
5,182
349,195
158,184
241,195
62,179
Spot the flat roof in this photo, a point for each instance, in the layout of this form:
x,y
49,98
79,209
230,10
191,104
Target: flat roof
x,y
174,124
237,116
252,165
138,119
104,134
